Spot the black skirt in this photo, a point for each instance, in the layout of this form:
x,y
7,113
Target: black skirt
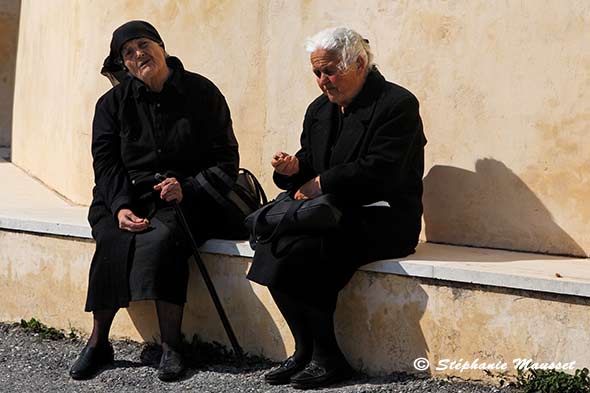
x,y
158,265
151,265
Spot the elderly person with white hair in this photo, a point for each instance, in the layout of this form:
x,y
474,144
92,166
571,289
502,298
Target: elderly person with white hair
x,y
363,143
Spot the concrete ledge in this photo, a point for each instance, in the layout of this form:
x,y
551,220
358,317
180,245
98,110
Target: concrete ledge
x,y
516,270
42,221
499,268
507,269
35,209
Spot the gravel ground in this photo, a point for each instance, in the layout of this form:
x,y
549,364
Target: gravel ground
x,y
29,363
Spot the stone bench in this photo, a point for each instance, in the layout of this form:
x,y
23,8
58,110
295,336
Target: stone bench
x,y
443,302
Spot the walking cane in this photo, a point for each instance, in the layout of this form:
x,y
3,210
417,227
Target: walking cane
x,y
226,325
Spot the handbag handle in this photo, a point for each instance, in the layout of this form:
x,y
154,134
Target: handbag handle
x,y
279,229
255,219
287,218
260,194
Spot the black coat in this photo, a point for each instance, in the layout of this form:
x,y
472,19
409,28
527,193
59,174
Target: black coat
x,y
378,156
187,132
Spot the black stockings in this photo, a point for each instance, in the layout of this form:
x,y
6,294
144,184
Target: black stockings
x,y
102,320
170,319
325,346
295,317
312,325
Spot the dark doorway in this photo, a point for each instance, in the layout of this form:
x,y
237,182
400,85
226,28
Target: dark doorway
x,y
9,23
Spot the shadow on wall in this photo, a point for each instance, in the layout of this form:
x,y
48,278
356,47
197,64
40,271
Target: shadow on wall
x,y
9,23
253,325
378,323
490,207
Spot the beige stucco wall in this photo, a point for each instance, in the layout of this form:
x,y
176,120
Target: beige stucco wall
x,y
504,89
9,16
383,322
63,45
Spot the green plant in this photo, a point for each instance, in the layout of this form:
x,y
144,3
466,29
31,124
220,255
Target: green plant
x,y
552,381
44,331
74,333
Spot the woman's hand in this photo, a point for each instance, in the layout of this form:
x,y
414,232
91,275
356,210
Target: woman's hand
x,y
130,222
285,164
170,190
309,190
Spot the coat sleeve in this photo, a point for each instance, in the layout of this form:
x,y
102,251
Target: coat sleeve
x,y
110,177
306,172
380,171
222,148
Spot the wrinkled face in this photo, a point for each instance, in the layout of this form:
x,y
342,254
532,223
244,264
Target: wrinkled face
x,y
144,58
339,86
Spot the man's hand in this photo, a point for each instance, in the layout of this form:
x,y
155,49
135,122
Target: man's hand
x,y
285,164
170,190
310,190
130,222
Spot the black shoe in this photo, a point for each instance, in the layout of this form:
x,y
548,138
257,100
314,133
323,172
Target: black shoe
x,y
171,366
91,360
316,376
282,374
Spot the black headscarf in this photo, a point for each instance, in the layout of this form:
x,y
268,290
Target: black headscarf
x,y
113,67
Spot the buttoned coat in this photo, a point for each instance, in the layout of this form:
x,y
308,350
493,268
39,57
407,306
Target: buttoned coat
x,y
379,156
126,154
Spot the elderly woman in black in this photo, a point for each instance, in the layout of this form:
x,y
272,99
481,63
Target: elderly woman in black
x,y
363,143
163,119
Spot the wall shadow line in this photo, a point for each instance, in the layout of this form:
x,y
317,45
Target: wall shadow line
x,y
491,207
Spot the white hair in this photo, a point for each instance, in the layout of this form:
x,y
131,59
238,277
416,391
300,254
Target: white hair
x,y
347,43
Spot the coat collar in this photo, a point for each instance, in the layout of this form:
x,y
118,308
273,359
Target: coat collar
x,y
172,84
360,110
363,104
134,90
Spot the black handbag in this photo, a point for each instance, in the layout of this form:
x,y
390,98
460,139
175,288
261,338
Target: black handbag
x,y
245,197
286,215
